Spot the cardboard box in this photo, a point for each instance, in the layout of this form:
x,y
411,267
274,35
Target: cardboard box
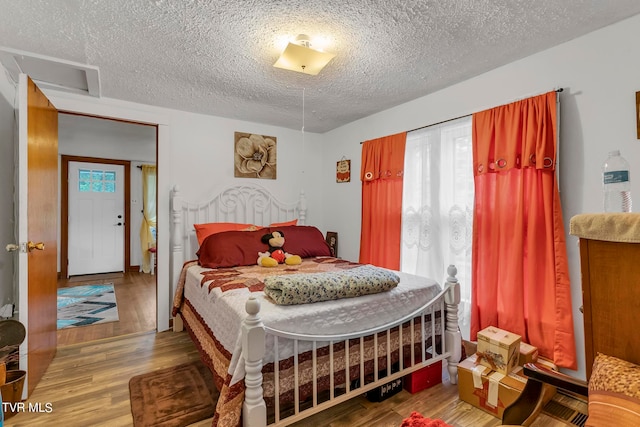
x,y
423,378
528,353
498,349
490,391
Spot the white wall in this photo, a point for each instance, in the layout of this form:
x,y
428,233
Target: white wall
x,y
202,159
7,97
107,139
600,74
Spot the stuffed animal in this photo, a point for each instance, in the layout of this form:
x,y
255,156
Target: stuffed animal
x,y
276,254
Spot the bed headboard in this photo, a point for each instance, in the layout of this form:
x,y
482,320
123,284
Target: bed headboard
x,y
247,204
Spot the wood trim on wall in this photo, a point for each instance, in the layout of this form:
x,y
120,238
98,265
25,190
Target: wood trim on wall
x,y
64,207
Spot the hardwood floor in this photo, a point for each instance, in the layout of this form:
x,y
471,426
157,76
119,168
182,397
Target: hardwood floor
x,y
136,299
87,385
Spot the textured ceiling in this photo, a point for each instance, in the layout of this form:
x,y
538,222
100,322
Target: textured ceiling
x,y
216,57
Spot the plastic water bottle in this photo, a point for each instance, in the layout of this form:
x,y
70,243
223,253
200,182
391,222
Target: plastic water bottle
x,y
616,184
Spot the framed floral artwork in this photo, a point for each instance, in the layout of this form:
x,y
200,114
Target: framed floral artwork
x,y
343,171
254,156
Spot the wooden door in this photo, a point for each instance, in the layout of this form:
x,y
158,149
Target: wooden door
x,y
37,211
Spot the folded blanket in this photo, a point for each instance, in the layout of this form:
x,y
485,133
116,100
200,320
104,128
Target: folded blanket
x,y
315,287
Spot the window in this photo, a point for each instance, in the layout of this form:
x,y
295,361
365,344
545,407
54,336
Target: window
x,y
96,181
437,206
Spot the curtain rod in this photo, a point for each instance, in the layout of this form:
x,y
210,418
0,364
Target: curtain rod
x,y
450,120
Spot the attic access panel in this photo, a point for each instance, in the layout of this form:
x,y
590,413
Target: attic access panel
x,y
48,72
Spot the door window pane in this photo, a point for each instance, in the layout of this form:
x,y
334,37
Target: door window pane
x,y
84,186
96,181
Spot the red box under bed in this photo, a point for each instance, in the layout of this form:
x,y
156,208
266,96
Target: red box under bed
x,y
424,378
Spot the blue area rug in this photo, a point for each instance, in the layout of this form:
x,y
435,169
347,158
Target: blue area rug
x,y
86,305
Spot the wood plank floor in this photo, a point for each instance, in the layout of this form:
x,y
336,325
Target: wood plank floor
x,y
87,385
136,299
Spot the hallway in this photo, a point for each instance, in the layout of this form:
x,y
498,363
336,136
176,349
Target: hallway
x,y
136,299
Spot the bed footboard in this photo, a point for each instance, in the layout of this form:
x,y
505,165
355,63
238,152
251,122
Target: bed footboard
x,y
308,374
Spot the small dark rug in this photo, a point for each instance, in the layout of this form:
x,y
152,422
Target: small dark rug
x,y
173,397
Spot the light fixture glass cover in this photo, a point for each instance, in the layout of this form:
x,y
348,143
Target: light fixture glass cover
x,y
302,58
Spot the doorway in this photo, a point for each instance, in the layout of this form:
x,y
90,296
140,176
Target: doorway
x,y
97,152
160,124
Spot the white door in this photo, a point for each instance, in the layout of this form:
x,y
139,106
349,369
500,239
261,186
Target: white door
x,y
96,218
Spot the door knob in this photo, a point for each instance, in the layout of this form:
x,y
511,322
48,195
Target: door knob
x,y
31,246
119,216
119,224
12,247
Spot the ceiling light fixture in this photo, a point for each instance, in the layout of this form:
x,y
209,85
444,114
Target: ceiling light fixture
x,y
300,57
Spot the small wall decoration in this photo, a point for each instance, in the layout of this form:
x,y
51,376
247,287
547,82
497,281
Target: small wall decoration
x,y
343,170
638,113
254,156
332,240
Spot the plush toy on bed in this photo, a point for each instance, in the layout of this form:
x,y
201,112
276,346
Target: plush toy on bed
x,y
276,254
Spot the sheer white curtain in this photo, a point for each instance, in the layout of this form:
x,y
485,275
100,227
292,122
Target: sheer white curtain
x,y
437,206
148,226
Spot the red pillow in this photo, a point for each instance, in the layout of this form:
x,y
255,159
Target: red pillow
x,y
303,240
205,230
231,249
284,224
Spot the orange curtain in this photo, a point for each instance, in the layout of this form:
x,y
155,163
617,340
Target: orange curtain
x,y
381,174
520,271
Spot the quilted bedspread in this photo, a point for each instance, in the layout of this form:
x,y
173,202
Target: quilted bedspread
x,y
212,303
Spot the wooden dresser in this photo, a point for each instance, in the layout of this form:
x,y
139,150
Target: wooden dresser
x,y
610,266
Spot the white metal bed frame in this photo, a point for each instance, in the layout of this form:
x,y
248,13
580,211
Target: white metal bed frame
x,y
254,204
